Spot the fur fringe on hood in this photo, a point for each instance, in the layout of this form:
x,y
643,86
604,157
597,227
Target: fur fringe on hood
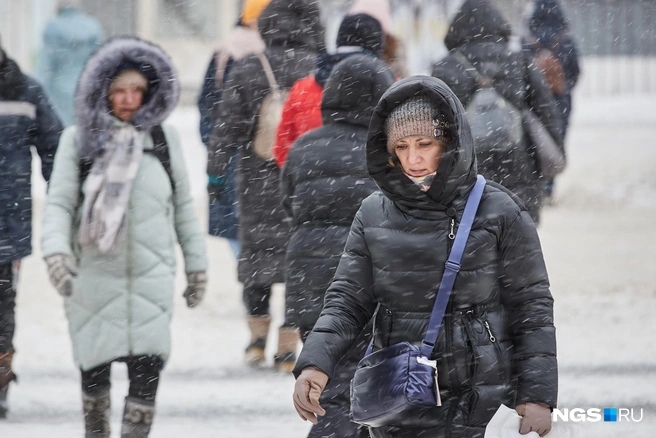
x,y
91,98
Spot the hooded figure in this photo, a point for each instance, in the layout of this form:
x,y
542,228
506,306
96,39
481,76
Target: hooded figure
x,y
26,119
359,33
548,29
293,36
109,232
243,40
68,41
479,32
497,343
323,183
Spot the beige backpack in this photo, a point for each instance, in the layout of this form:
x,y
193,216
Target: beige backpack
x,y
269,114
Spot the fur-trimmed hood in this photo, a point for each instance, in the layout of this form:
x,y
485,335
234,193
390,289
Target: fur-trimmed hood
x,y
91,103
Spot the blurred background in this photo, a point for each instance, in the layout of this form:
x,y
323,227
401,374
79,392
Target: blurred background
x,y
616,38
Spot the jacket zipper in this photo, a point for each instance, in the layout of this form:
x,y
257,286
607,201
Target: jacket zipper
x,y
128,259
497,349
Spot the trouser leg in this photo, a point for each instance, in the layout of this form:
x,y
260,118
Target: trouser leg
x,y
7,309
8,276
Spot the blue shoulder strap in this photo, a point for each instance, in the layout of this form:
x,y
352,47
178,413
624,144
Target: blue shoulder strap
x,y
452,267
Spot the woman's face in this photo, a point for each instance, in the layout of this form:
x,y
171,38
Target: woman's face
x,y
125,100
419,155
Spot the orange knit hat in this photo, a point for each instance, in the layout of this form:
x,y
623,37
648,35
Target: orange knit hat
x,y
252,10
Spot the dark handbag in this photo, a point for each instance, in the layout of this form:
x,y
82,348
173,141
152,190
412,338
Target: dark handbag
x,y
395,384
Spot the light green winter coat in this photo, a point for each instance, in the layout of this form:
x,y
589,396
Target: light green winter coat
x,y
122,304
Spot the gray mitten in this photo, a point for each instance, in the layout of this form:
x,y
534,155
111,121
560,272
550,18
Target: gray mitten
x,y
196,284
61,270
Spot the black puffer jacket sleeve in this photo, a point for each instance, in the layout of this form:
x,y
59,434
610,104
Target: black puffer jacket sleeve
x,y
348,307
47,129
529,305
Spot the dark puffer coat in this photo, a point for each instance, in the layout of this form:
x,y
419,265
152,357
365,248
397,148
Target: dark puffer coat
x,y
26,119
292,37
394,258
480,33
324,181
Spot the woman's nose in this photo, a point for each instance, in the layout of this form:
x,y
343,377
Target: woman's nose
x,y
414,155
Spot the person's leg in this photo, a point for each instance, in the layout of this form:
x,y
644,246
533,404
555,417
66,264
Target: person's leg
x,y
143,373
256,300
7,327
96,402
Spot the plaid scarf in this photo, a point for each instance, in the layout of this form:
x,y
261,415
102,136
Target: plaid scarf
x,y
107,191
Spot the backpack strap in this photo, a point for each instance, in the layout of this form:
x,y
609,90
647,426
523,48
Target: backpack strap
x,y
268,71
482,81
160,150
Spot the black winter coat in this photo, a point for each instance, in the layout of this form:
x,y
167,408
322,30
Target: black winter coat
x,y
324,181
26,119
393,263
289,30
480,33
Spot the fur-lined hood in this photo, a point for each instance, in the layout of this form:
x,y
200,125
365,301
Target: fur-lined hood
x,y
91,103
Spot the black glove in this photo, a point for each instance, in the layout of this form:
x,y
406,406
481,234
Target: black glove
x,y
196,284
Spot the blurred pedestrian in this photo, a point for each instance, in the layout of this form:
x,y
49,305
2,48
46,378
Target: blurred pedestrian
x,y
242,41
359,33
478,44
293,36
26,119
497,344
68,40
550,43
118,201
394,51
324,182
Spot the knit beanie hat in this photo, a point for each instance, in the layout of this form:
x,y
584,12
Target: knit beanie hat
x,y
379,9
129,78
416,116
361,30
252,10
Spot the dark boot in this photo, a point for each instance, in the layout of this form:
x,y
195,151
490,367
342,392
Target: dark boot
x,y
6,376
137,418
97,411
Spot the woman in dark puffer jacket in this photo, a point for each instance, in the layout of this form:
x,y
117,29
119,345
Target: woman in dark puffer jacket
x,y
497,344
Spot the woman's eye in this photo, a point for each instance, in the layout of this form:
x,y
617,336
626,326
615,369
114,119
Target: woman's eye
x,y
401,146
425,145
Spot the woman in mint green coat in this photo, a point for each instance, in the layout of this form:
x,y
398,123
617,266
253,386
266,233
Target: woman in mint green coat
x,y
117,203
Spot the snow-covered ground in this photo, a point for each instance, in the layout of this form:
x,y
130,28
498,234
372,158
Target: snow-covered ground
x,y
600,246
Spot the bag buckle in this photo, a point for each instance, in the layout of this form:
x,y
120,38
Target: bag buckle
x,y
423,360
